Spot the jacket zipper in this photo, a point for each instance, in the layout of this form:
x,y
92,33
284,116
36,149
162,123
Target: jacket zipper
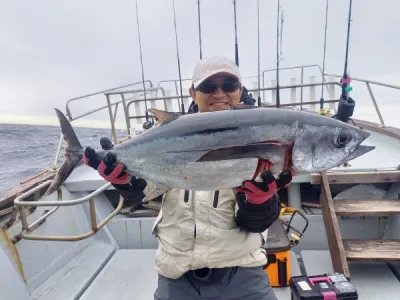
x,y
186,199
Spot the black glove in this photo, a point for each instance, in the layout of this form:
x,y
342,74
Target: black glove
x,y
130,187
258,215
247,98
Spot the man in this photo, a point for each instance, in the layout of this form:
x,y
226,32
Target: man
x,y
209,243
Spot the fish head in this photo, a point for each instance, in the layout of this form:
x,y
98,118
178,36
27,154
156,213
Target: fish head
x,y
320,148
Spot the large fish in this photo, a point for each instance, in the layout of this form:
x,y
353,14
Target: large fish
x,y
219,150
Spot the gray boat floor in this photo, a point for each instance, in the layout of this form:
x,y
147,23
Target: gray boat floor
x,y
130,272
103,273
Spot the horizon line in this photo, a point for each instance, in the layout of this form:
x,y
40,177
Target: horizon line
x,y
53,121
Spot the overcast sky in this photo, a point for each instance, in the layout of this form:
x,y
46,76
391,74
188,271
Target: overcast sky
x,y
55,50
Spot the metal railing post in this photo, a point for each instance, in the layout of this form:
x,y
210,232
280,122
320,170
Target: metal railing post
x,y
127,120
111,119
375,104
301,89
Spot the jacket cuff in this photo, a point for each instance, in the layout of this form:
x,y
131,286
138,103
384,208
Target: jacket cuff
x,y
133,193
257,217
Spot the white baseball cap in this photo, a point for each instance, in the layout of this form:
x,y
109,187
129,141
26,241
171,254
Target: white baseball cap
x,y
208,67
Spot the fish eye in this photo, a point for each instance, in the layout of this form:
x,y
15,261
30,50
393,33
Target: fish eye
x,y
343,138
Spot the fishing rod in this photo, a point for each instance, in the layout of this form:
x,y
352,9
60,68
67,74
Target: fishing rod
x,y
346,104
281,37
258,50
321,101
177,55
278,104
198,13
346,79
147,124
236,40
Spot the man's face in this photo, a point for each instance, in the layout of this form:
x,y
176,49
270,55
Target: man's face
x,y
217,92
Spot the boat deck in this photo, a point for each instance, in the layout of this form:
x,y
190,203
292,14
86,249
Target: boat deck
x,y
128,274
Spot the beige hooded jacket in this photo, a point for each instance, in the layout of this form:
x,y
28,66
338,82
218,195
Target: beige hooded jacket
x,y
197,229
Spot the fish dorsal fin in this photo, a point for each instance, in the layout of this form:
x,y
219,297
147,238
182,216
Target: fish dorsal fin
x,y
163,115
243,106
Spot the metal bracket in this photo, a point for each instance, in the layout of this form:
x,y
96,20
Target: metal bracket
x,y
27,229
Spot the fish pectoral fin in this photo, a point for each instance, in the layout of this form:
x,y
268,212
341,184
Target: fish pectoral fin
x,y
257,150
156,192
163,115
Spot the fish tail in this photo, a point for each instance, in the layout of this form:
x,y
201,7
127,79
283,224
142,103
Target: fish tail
x,y
73,154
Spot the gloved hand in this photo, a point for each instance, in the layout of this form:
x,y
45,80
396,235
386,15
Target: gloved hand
x,y
260,192
127,185
107,167
258,202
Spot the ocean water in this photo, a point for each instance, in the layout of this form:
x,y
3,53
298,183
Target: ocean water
x,y
26,150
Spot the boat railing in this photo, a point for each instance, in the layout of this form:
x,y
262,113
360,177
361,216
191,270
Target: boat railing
x,y
20,203
371,94
301,68
87,96
136,94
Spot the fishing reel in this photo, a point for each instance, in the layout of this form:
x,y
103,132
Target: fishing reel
x,y
345,109
325,112
147,125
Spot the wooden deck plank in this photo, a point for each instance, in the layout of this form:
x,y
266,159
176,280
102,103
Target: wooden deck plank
x,y
332,228
12,193
358,177
385,207
372,250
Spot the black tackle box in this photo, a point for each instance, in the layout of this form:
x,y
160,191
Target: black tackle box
x,y
330,286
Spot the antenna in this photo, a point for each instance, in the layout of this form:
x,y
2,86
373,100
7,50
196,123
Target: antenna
x,y
321,101
147,124
198,13
177,55
236,41
258,50
278,104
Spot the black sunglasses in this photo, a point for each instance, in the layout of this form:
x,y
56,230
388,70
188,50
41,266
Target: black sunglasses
x,y
210,87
